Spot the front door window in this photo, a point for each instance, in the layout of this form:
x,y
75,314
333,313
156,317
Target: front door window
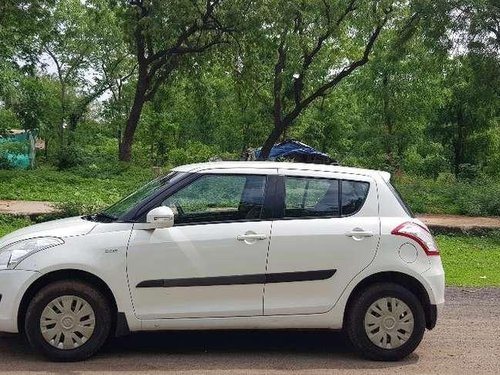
x,y
219,198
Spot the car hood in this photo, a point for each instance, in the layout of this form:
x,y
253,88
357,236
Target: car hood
x,y
73,226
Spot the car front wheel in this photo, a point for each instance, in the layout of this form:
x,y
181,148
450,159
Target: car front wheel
x,y
386,322
68,321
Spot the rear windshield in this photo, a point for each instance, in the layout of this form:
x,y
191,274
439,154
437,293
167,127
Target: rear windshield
x,y
400,200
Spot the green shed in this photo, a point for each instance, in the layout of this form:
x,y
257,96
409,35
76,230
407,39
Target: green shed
x,y
17,149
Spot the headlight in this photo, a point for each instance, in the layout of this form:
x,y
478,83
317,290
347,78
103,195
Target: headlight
x,y
12,254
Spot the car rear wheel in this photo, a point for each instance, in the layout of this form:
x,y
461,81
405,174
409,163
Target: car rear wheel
x,y
386,322
68,321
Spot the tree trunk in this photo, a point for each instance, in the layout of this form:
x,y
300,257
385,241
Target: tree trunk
x,y
270,141
388,123
73,123
459,143
125,153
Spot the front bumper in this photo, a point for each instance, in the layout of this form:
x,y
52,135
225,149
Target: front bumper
x,y
13,285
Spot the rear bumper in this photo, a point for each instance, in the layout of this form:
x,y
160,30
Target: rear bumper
x,y
434,283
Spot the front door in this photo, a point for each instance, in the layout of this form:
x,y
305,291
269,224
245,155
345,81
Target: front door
x,y
328,233
212,262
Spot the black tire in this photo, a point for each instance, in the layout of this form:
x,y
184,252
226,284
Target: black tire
x,y
102,313
355,322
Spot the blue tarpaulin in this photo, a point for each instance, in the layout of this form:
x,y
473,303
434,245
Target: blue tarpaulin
x,y
296,151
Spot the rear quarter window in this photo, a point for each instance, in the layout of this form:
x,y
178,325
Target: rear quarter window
x,y
353,195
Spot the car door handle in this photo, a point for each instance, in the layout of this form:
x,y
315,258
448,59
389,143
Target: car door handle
x,y
251,237
358,233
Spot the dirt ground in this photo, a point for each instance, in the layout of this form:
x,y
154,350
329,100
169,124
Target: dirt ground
x,y
25,208
465,341
465,222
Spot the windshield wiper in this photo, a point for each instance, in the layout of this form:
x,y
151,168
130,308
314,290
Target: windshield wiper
x,y
106,216
101,217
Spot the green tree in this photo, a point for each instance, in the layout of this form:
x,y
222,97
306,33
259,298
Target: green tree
x,y
467,122
164,35
87,50
471,109
308,48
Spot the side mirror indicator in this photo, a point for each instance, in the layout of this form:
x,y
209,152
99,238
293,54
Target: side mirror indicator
x,y
159,217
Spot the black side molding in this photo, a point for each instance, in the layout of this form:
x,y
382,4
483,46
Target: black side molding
x,y
283,277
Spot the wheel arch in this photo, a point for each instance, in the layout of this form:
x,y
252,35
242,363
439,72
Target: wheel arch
x,y
409,282
68,274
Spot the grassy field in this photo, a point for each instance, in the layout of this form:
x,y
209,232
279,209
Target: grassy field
x,y
10,223
471,260
85,186
468,260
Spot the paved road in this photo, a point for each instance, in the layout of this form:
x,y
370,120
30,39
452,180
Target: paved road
x,y
466,341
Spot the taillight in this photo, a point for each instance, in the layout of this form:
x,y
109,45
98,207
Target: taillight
x,y
419,234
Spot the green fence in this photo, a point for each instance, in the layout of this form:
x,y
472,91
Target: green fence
x,y
17,150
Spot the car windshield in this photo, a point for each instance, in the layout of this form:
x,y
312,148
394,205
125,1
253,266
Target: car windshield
x,y
123,206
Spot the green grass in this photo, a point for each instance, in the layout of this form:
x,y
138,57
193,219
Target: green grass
x,y
468,260
471,260
10,223
84,186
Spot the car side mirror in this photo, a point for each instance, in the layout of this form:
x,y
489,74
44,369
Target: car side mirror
x,y
157,218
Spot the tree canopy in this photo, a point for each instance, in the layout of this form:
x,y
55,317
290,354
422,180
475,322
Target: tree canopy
x,y
410,86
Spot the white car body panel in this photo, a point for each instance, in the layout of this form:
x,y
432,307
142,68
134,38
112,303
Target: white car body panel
x,y
317,244
101,253
197,251
123,257
72,226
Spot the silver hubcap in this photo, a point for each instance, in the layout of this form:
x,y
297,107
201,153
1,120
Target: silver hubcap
x,y
389,323
67,322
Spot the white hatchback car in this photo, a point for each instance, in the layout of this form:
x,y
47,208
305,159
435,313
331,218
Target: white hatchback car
x,y
229,245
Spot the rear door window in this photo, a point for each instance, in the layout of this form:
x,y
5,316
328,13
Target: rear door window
x,y
322,197
306,197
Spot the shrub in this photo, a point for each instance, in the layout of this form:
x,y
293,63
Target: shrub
x,y
468,171
447,195
68,209
4,162
195,152
69,157
101,169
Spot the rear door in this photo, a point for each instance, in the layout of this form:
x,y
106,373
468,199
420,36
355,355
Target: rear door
x,y
329,231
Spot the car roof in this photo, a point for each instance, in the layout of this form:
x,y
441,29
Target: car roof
x,y
194,168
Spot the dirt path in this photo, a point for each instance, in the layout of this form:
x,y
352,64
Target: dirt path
x,y
26,208
465,341
457,221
